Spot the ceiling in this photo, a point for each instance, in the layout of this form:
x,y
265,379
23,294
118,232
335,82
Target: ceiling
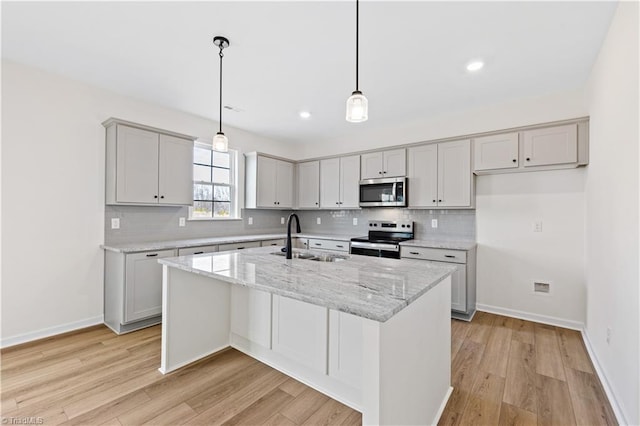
x,y
291,56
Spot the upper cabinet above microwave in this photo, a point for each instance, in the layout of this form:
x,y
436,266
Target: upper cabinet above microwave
x,y
383,164
147,166
544,148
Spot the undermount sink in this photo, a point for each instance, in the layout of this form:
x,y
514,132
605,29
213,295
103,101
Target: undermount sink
x,y
318,257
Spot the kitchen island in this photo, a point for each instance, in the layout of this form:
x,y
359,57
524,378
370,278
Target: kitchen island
x,y
372,333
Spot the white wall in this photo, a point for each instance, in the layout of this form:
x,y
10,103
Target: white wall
x,y
612,211
53,194
511,256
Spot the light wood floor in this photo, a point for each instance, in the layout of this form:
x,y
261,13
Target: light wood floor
x,y
504,371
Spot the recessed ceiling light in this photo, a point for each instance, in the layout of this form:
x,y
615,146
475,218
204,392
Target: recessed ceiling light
x,y
305,114
475,66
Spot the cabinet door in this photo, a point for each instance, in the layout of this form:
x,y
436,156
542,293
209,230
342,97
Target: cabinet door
x,y
395,163
496,152
238,246
423,176
371,165
454,174
330,183
143,285
555,145
276,242
136,165
309,185
266,182
459,290
350,181
175,178
284,184
345,348
300,332
251,315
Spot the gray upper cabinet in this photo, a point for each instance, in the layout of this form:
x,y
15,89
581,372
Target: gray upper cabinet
x,y
339,182
496,152
145,166
543,148
381,164
309,185
268,182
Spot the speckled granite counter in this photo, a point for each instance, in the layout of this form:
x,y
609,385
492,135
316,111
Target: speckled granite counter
x,y
369,287
194,242
443,244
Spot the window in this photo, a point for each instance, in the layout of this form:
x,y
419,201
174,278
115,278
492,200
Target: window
x,y
214,189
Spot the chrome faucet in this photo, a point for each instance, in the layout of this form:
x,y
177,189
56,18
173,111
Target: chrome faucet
x,y
288,248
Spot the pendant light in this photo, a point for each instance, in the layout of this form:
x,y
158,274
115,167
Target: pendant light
x,y
220,141
357,104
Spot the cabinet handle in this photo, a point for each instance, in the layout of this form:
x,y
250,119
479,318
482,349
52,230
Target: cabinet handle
x,y
198,252
274,244
337,202
162,196
450,256
439,201
339,246
413,252
152,255
379,173
240,248
318,244
434,201
384,173
528,159
155,196
514,160
317,203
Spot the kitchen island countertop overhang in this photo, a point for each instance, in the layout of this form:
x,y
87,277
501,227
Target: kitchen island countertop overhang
x,y
367,287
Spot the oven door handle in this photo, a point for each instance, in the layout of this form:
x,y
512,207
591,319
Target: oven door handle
x,y
375,246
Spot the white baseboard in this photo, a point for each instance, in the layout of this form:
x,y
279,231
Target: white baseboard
x,y
544,319
603,379
436,419
6,342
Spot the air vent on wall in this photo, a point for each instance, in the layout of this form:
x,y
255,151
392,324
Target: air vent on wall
x,y
540,287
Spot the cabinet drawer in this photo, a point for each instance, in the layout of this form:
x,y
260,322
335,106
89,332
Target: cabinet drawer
x,y
441,255
238,246
197,250
328,245
278,242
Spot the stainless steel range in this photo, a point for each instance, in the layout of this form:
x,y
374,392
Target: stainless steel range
x,y
383,240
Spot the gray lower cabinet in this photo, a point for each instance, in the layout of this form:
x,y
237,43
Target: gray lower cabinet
x,y
133,289
463,281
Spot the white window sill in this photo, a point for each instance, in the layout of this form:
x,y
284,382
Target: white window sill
x,y
214,219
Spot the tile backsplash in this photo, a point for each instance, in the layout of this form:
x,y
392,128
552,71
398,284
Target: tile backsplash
x,y
141,224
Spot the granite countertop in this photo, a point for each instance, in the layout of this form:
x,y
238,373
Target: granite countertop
x,y
194,242
443,244
368,287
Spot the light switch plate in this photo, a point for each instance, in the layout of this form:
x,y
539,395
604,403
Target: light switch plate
x,y
282,221
318,221
182,221
434,223
355,221
250,221
115,223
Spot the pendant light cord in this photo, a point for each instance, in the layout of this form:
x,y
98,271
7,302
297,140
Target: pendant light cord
x,y
357,44
221,56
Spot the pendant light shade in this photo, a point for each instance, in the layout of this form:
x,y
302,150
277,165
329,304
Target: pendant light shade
x,y
357,104
357,107
220,141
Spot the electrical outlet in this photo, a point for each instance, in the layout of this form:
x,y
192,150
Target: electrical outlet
x,y
115,223
250,221
355,221
537,226
182,221
318,221
609,332
282,221
434,223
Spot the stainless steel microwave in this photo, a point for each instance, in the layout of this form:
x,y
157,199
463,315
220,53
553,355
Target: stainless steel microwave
x,y
385,192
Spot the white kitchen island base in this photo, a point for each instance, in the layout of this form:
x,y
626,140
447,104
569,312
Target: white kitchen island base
x,y
394,372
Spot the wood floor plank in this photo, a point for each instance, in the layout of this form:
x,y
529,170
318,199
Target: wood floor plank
x,y
353,419
574,354
465,365
494,359
106,412
455,407
480,327
589,401
522,331
548,358
554,402
111,422
483,407
278,420
514,416
330,413
304,405
8,404
293,387
520,384
174,416
272,402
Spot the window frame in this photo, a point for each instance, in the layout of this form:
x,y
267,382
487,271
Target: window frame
x,y
232,185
